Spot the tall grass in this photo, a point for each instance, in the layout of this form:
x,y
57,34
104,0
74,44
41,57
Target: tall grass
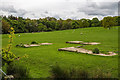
x,y
98,73
58,72
17,70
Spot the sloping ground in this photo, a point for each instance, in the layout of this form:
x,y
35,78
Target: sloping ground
x,y
81,50
81,42
41,58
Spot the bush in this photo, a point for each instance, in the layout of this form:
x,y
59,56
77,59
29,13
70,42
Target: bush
x,y
20,45
7,56
17,70
96,51
49,29
34,42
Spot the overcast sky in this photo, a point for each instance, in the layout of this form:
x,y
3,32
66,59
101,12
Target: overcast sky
x,y
74,9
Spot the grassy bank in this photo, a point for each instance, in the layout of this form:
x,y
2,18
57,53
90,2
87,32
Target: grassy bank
x,y
41,58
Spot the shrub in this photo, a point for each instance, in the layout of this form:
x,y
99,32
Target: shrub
x,y
34,42
96,51
49,29
17,70
20,45
7,56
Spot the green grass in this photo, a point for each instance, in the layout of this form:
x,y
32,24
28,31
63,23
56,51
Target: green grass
x,y
41,58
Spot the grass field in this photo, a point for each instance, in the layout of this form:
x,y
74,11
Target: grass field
x,y
41,58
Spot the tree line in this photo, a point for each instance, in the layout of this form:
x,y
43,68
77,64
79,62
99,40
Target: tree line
x,y
26,25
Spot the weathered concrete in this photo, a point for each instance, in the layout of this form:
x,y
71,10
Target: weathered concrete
x,y
75,42
81,50
81,42
90,43
33,45
46,43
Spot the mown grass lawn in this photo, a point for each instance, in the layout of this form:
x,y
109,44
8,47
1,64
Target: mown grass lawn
x,y
42,58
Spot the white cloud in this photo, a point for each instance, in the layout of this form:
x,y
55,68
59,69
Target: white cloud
x,y
75,9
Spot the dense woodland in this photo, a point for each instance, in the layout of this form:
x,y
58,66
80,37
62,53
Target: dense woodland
x,y
22,25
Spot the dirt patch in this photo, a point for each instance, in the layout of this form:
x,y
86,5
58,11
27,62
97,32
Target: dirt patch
x,y
81,50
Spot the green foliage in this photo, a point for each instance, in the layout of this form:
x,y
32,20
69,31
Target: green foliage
x,y
98,73
42,27
58,72
49,29
17,70
75,24
20,45
95,22
5,26
108,22
22,25
7,55
34,42
40,58
83,23
118,20
96,51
